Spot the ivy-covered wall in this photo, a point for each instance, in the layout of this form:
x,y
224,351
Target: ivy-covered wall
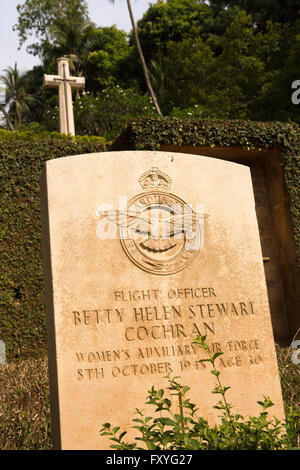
x,y
22,317
153,133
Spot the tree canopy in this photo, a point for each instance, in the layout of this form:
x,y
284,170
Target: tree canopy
x,y
210,59
16,97
263,11
40,19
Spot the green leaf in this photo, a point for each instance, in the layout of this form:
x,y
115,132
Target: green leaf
x,y
167,421
216,355
150,445
215,372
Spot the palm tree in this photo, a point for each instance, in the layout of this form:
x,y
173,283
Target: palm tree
x,y
16,98
8,121
71,36
142,59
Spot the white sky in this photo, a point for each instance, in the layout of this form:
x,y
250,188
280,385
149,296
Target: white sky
x,y
101,12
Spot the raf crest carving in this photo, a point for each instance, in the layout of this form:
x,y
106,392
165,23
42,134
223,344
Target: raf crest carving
x,y
159,232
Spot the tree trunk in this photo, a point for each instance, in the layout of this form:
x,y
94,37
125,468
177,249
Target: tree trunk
x,y
8,121
141,56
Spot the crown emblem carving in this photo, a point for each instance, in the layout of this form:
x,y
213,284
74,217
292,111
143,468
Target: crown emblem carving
x,y
155,180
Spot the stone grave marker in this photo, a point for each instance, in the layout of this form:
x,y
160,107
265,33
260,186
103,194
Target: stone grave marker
x,y
143,251
64,82
2,352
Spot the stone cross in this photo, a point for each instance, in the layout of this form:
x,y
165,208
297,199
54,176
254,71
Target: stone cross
x,y
65,83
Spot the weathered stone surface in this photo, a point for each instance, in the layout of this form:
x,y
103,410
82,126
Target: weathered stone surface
x,y
122,314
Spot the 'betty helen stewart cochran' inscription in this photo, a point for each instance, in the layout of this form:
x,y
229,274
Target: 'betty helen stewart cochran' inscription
x,y
143,251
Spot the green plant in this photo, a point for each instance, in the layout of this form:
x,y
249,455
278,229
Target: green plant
x,y
106,113
16,97
173,430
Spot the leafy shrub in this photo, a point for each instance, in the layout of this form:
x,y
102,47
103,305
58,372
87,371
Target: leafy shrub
x,y
25,401
32,133
107,112
173,431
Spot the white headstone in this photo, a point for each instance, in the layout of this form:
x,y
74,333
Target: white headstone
x,y
127,292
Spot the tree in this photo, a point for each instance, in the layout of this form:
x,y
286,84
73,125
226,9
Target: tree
x,y
182,76
177,20
8,121
16,97
204,58
220,60
106,113
105,58
239,72
62,28
41,18
279,51
262,11
71,34
142,59
33,84
164,82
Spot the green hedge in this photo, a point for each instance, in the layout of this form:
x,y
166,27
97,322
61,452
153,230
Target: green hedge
x,y
151,133
22,317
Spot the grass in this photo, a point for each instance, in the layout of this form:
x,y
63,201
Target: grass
x,y
25,402
25,406
290,377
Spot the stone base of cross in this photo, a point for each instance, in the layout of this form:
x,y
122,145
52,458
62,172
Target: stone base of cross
x,y
65,83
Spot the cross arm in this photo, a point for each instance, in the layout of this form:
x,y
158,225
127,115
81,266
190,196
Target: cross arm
x,y
52,80
77,82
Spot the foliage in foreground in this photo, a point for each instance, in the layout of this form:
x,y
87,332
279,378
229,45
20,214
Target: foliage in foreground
x,y
25,403
185,430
